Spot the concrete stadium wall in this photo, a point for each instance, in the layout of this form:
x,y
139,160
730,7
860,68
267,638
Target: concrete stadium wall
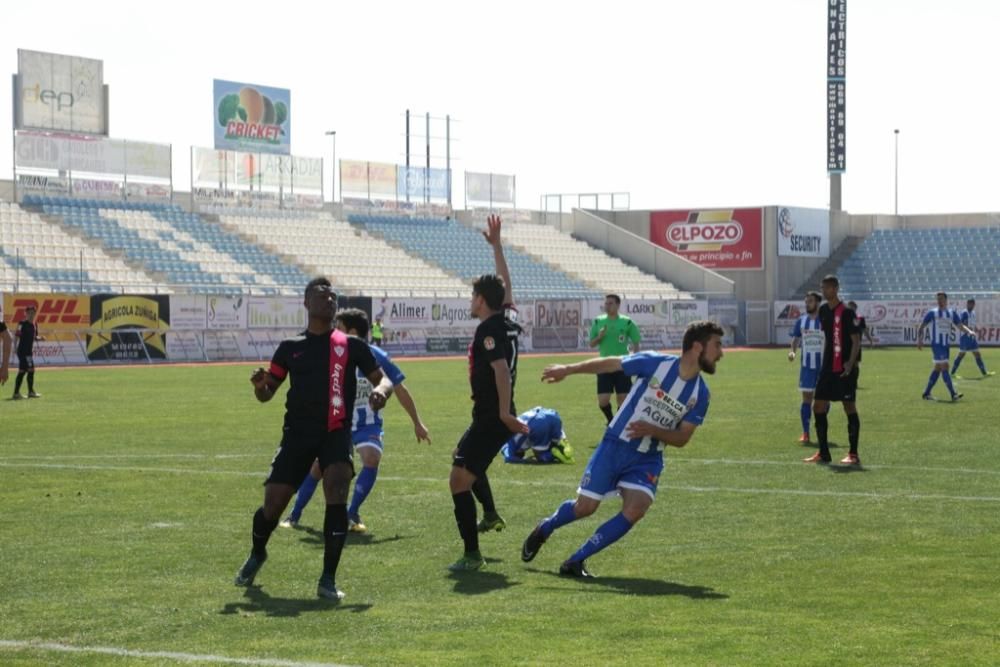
x,y
637,250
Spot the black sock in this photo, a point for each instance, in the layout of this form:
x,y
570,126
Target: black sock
x,y
853,431
465,516
31,382
262,529
18,381
484,494
334,536
606,409
821,424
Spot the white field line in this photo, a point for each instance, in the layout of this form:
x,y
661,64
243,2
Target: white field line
x,y
441,480
52,647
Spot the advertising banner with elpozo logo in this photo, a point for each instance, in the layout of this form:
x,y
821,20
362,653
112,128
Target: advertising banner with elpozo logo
x,y
724,239
114,320
252,118
803,232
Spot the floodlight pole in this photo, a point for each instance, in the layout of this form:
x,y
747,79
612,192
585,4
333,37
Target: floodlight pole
x,y
333,167
895,188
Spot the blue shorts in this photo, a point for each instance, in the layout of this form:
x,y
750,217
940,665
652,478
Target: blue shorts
x,y
808,377
941,353
615,464
968,344
367,437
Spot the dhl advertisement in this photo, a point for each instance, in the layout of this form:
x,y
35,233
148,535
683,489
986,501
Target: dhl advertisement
x,y
114,320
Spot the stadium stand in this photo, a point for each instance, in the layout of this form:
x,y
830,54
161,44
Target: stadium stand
x,y
191,253
38,255
460,250
915,263
587,264
353,259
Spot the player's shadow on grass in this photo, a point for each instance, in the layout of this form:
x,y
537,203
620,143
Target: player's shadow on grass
x,y
843,469
315,537
480,582
640,586
259,601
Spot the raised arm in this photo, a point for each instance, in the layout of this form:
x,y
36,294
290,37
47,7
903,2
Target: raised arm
x,y
492,236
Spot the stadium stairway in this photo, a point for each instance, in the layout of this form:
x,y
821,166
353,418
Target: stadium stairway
x,y
460,250
837,257
587,264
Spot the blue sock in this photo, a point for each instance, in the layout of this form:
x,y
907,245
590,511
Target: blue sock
x,y
302,498
958,360
947,381
806,412
362,487
982,366
609,533
562,516
932,381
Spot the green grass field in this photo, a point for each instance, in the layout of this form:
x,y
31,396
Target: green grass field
x,y
127,495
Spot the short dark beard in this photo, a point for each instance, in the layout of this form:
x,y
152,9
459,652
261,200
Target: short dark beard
x,y
705,365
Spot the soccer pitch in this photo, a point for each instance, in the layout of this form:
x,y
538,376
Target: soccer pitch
x,y
127,497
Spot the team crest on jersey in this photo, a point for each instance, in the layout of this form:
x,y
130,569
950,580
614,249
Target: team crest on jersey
x,y
489,343
693,401
654,383
338,350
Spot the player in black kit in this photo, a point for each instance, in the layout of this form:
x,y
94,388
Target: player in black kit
x,y
322,365
27,334
492,372
5,344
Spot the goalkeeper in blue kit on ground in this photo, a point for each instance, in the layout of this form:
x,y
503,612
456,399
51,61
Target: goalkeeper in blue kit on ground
x,y
545,441
366,425
665,406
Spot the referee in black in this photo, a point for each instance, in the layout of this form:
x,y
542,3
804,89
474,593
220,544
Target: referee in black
x,y
838,378
492,370
322,365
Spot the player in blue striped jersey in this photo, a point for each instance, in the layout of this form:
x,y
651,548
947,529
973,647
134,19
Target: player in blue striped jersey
x,y
665,406
366,428
545,440
808,334
968,343
942,321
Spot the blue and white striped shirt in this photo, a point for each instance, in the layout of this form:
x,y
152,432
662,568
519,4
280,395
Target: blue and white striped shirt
x,y
968,318
364,417
809,330
943,323
659,397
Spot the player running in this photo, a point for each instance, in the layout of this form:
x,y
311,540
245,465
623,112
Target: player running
x,y
322,364
968,343
942,321
492,374
613,334
366,428
545,441
808,334
665,406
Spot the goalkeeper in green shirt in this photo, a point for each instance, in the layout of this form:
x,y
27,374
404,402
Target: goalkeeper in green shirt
x,y
613,335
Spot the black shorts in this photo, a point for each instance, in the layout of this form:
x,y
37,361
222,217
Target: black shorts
x,y
613,383
25,362
480,444
833,387
298,450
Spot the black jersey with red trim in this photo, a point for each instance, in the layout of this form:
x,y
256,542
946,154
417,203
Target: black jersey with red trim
x,y
838,325
495,339
305,359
